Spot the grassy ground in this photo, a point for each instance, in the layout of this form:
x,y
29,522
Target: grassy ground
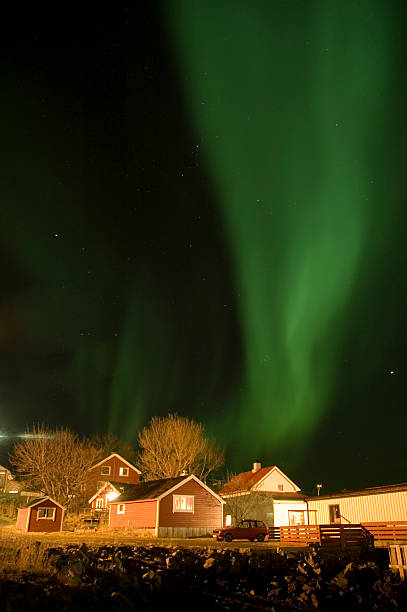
x,y
9,534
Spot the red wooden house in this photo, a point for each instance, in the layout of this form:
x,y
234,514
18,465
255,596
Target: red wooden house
x,y
113,468
41,514
171,507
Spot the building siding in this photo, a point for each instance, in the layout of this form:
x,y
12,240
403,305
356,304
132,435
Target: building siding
x,y
207,509
381,507
47,525
281,511
138,514
22,518
108,489
115,463
273,480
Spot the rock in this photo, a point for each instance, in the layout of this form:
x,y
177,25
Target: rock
x,y
149,575
69,578
209,563
124,602
340,580
314,600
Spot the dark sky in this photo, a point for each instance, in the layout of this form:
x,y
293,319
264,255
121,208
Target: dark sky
x,y
203,212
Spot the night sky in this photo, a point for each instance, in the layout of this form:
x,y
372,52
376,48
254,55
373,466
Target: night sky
x,y
203,212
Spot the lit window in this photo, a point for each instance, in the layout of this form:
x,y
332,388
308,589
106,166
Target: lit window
x,y
99,503
105,470
124,471
183,503
281,487
228,520
46,513
296,517
120,508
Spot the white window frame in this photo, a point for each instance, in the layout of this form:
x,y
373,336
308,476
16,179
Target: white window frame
x,y
105,467
178,503
293,520
121,508
100,503
123,471
46,509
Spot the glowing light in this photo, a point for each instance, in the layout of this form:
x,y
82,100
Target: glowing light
x,y
112,495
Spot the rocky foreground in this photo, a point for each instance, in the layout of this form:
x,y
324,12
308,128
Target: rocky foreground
x,y
156,578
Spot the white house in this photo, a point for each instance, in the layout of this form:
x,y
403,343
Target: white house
x,y
265,493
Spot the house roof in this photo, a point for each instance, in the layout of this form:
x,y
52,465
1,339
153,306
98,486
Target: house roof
x,y
245,480
369,491
151,489
155,489
289,496
39,500
133,467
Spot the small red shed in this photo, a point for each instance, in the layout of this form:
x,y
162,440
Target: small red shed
x,y
40,514
170,507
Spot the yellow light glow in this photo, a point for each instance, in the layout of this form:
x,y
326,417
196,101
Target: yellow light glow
x,y
112,495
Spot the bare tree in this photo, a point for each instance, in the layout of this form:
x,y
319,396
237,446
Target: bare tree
x,y
174,445
109,443
242,502
54,462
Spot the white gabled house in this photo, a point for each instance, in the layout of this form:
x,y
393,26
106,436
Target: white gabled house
x,y
267,494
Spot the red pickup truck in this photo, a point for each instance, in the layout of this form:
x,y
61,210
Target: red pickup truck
x,y
248,529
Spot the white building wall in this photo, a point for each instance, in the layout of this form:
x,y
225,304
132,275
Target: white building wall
x,y
281,509
272,482
363,508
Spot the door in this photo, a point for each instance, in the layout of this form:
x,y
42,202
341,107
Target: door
x,y
334,514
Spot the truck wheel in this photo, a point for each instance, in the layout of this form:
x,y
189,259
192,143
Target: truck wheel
x,y
228,537
260,537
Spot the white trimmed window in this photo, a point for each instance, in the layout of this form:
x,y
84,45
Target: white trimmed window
x,y
120,508
46,513
124,471
99,503
296,517
281,487
183,503
105,470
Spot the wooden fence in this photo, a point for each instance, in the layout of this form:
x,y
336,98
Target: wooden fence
x,y
323,535
388,531
398,559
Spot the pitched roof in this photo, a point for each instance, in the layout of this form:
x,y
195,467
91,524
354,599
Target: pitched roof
x,y
151,489
38,500
155,489
245,480
133,467
369,491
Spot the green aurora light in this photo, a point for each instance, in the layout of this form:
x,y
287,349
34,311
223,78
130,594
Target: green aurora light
x,y
287,103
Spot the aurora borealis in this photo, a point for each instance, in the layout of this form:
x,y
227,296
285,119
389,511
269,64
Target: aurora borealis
x,y
203,212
